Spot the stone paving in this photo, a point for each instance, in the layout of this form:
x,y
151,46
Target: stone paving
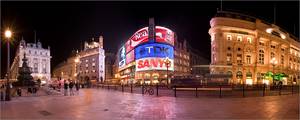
x,y
101,104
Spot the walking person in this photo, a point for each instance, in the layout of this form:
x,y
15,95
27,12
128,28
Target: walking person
x,y
77,87
71,84
66,85
2,92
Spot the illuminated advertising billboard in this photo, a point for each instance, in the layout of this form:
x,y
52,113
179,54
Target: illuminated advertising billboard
x,y
154,50
162,35
130,57
153,63
122,57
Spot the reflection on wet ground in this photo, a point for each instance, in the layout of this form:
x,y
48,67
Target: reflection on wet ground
x,y
104,104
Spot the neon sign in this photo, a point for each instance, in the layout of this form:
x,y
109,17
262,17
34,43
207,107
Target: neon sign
x,y
154,50
162,35
130,57
122,57
153,63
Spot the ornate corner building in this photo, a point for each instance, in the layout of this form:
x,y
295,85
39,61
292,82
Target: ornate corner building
x,y
39,60
248,48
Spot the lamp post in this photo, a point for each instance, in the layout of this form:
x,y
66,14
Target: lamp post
x,y
273,62
167,62
8,35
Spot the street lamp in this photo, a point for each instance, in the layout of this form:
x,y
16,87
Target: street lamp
x,y
273,62
167,62
8,35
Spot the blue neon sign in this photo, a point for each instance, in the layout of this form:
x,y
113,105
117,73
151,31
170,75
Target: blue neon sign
x,y
154,50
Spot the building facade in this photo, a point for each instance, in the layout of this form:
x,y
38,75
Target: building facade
x,y
110,59
39,60
249,48
90,62
66,70
181,59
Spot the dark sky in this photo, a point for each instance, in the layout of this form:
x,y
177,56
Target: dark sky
x,y
65,25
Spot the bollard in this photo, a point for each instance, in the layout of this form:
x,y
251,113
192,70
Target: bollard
x,y
115,87
157,89
107,86
264,89
143,89
131,87
243,90
196,91
122,88
174,90
220,93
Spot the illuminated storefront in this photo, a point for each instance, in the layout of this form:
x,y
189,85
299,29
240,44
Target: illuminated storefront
x,y
145,60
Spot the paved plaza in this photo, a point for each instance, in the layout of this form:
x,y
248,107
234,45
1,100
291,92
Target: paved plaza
x,y
102,104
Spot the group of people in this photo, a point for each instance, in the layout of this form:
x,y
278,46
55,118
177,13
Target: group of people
x,y
69,85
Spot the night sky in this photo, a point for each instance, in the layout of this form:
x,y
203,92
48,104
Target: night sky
x,y
64,26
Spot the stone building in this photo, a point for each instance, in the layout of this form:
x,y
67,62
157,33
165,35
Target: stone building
x,y
39,60
249,47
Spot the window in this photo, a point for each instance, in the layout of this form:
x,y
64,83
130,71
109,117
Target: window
x,y
229,48
248,59
239,38
282,49
229,37
272,55
93,64
249,40
273,46
261,57
239,49
86,65
93,59
86,60
228,58
239,58
261,43
282,60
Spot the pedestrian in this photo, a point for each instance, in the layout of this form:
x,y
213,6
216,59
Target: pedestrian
x,y
66,87
77,87
2,92
19,92
71,84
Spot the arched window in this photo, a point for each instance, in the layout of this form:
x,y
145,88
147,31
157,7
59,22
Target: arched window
x,y
261,57
239,75
272,55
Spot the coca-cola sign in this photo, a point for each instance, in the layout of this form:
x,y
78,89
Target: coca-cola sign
x,y
162,35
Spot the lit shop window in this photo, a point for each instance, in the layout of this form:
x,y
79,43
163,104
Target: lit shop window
x,y
93,64
86,60
239,38
229,37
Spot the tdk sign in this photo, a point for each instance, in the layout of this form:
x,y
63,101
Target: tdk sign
x,y
154,50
